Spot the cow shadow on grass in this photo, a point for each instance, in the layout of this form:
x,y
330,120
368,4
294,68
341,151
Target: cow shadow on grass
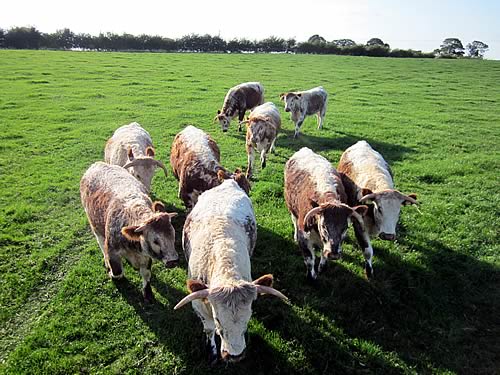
x,y
441,312
341,141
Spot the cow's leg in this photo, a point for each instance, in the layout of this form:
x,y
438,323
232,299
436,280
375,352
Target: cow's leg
x,y
308,253
321,117
295,230
145,271
273,146
263,158
241,116
298,124
205,315
113,262
250,159
322,263
364,242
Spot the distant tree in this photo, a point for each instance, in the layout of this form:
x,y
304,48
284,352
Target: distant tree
x,y
2,38
65,38
316,39
272,44
23,38
344,42
377,42
451,47
84,41
476,49
290,45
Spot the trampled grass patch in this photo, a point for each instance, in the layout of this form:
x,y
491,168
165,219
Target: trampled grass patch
x,y
433,307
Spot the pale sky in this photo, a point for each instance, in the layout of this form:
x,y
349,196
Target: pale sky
x,y
420,25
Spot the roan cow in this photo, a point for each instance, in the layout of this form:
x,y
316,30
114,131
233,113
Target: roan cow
x,y
218,239
195,160
131,147
316,200
305,103
368,180
238,100
263,126
126,223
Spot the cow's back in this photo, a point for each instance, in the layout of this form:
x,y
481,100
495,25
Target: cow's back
x,y
105,187
364,167
309,177
127,136
224,213
316,99
267,109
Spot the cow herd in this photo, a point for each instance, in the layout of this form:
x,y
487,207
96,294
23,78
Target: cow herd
x,y
220,230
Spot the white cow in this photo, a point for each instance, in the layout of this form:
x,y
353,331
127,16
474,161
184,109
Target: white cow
x,y
306,103
131,147
218,239
367,179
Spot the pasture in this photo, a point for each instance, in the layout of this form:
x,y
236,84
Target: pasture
x,y
433,306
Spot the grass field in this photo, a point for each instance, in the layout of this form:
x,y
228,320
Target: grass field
x,y
433,307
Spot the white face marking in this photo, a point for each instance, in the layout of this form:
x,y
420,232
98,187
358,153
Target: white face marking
x,y
386,214
231,326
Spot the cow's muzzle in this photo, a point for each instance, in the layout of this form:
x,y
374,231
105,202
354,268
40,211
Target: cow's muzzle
x,y
287,109
387,236
332,255
226,357
171,263
224,130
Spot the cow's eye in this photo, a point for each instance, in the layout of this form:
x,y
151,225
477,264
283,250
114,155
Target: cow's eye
x,y
156,242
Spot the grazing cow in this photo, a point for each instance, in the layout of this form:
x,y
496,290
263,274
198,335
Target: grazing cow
x,y
237,101
126,222
368,179
305,103
263,126
316,200
131,147
195,160
218,239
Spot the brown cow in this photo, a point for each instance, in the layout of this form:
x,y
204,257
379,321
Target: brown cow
x,y
263,126
316,200
238,100
126,222
195,160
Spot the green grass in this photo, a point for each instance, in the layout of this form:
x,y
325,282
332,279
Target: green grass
x,y
433,307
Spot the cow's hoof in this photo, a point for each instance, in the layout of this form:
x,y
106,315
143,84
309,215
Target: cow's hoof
x,y
368,272
263,165
312,279
148,294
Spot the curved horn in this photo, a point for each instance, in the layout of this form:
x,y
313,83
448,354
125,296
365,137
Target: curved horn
x,y
368,196
407,198
162,166
311,213
199,294
268,290
132,163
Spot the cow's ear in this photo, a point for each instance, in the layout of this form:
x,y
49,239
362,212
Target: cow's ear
x,y
130,233
410,199
130,154
282,96
159,207
266,280
413,196
195,285
361,210
218,111
366,191
150,151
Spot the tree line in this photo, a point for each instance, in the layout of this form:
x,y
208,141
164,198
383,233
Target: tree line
x,y
65,39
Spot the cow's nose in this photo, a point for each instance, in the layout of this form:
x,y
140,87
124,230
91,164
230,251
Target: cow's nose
x,y
171,263
226,357
224,130
332,255
287,109
387,236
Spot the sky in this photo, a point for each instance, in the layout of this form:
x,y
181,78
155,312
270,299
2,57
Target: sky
x,y
420,25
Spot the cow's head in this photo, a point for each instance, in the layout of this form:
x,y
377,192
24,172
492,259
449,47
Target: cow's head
x,y
156,236
143,167
292,101
237,176
223,119
332,220
386,208
231,310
